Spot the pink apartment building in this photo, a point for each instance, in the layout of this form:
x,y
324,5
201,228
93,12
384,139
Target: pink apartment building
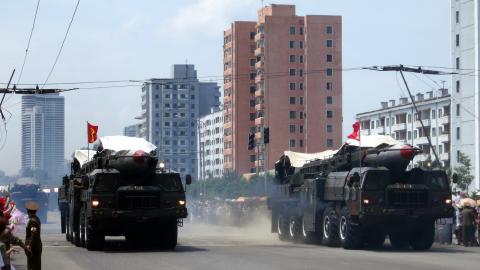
x,y
281,72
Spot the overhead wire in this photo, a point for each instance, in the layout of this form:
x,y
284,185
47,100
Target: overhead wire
x,y
62,45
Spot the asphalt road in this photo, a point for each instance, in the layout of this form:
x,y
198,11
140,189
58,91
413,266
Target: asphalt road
x,y
215,247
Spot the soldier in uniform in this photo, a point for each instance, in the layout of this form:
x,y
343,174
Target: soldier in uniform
x,y
32,240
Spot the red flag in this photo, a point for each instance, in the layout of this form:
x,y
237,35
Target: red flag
x,y
356,131
92,132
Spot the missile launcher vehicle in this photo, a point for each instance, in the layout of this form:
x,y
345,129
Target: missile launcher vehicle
x,y
358,195
121,189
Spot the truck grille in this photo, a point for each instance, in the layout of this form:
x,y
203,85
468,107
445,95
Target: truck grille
x,y
138,201
407,198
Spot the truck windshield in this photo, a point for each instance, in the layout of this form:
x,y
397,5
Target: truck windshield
x,y
105,183
438,181
376,180
168,182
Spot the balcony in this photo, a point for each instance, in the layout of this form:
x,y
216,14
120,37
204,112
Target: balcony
x,y
259,36
259,93
258,135
259,121
259,64
259,51
259,78
426,123
259,106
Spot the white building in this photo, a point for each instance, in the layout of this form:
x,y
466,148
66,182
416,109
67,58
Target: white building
x,y
400,121
43,136
132,130
171,108
465,96
210,154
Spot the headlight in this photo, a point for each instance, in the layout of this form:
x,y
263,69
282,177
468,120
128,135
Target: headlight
x,y
161,165
448,201
366,201
181,202
95,203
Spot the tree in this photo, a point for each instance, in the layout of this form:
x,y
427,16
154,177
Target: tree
x,y
463,171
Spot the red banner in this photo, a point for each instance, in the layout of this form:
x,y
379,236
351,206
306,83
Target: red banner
x,y
92,132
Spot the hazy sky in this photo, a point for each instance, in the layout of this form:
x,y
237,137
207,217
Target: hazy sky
x,y
123,40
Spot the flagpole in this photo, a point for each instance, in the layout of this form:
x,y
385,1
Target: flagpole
x,y
88,143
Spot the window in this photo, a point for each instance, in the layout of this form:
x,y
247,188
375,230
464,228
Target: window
x,y
252,89
434,115
293,114
409,118
292,58
292,44
329,85
252,116
292,30
292,86
301,101
192,96
457,16
329,143
457,40
329,114
252,102
458,133
252,62
292,128
292,72
292,100
329,100
252,76
329,29
252,158
301,115
329,72
458,110
252,35
329,58
457,86
440,149
329,128
457,63
415,134
300,72
301,44
292,143
409,135
458,155
300,143
301,30
434,132
300,128
301,59
329,43
300,86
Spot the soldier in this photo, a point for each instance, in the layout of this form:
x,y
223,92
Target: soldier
x,y
8,239
32,239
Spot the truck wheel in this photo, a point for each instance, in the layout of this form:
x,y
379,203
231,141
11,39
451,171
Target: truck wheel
x,y
93,239
82,229
330,233
282,227
170,234
349,231
422,236
374,239
308,237
294,229
66,228
399,240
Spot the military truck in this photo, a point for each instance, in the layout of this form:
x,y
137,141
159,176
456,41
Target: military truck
x,y
121,188
28,189
358,195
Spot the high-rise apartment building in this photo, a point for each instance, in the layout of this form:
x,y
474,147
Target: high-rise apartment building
x,y
132,130
210,154
400,121
171,108
466,84
43,136
282,72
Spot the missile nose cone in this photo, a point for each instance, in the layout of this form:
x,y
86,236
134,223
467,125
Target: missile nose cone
x,y
137,156
407,152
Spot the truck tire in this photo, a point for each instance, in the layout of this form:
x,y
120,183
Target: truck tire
x,y
282,227
349,231
308,237
66,228
82,229
93,239
399,239
295,229
170,234
374,239
330,227
422,236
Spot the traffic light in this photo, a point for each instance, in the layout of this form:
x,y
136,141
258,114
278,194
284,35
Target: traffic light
x,y
251,141
266,135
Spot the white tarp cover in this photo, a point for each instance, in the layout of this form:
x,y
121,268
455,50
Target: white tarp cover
x,y
83,156
124,143
299,159
372,141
